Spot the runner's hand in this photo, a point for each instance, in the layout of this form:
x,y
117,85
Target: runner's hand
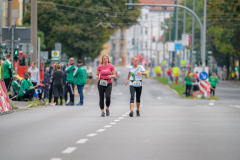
x,y
126,83
109,76
97,77
139,72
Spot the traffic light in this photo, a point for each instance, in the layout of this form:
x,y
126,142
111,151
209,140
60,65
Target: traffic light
x,y
153,38
130,7
236,68
15,55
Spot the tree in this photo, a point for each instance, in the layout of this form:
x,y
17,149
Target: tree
x,y
74,24
224,30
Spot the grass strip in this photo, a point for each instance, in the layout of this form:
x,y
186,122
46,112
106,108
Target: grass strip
x,y
179,88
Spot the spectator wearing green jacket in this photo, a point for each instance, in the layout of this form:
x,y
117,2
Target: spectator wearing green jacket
x,y
80,79
187,78
25,91
213,82
8,71
69,87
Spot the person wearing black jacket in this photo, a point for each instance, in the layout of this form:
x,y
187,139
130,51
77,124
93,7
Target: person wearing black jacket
x,y
53,64
46,83
58,84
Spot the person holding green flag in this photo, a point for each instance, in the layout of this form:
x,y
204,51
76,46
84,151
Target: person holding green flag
x,y
80,79
135,82
213,82
8,71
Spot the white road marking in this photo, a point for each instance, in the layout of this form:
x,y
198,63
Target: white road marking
x,y
124,115
113,123
101,130
92,135
159,97
56,159
231,105
69,150
116,120
121,118
211,104
82,141
108,126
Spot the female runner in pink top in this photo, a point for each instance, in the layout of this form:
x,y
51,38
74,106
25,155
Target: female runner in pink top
x,y
107,72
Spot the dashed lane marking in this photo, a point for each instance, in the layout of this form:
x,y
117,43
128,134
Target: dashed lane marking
x,y
69,150
116,120
124,115
108,126
211,104
101,130
113,123
159,97
92,135
82,141
121,118
56,159
117,93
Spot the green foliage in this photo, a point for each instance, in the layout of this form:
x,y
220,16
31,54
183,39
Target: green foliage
x,y
74,24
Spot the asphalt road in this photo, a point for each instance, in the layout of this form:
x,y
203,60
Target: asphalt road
x,y
169,128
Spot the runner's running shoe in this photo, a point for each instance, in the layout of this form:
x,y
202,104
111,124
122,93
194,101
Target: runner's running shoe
x,y
107,112
103,114
131,114
138,113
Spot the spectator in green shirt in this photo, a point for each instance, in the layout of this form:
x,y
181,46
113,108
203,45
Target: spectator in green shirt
x,y
213,82
8,71
187,78
25,91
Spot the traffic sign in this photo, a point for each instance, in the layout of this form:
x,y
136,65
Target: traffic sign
x,y
203,76
178,46
27,48
55,55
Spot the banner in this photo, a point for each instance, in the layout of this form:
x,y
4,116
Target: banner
x,y
175,71
4,99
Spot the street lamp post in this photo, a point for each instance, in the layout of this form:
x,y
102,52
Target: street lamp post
x,y
203,42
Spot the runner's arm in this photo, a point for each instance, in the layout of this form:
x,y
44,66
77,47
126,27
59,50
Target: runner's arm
x,y
113,74
97,75
129,75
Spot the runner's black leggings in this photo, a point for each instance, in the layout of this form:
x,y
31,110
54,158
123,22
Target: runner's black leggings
x,y
138,91
107,90
213,91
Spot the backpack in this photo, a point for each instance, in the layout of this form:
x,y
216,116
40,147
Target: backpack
x,y
193,78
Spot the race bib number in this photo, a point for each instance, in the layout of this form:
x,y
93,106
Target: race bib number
x,y
103,82
137,83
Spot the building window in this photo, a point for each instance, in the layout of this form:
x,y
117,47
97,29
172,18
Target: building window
x,y
146,45
141,30
146,30
146,16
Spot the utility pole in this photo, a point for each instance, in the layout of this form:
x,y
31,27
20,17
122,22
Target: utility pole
x,y
0,23
184,27
134,38
193,32
204,34
151,47
34,30
9,20
174,33
23,11
158,40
